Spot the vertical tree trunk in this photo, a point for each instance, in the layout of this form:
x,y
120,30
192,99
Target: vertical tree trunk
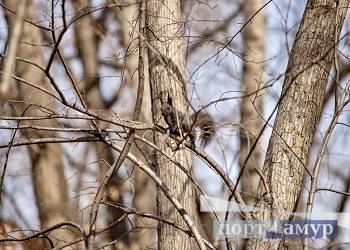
x,y
251,107
165,36
299,112
50,186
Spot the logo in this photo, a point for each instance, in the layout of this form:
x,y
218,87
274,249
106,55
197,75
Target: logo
x,y
322,225
281,229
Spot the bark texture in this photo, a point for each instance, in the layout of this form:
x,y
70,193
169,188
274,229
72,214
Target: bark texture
x,y
251,108
167,64
50,186
299,112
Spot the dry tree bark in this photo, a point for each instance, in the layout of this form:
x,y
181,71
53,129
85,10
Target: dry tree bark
x,y
299,111
167,65
50,186
251,107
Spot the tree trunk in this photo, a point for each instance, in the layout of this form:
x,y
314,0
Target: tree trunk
x,y
251,107
299,112
165,36
50,186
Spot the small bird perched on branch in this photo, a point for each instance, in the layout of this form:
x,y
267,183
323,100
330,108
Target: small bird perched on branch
x,y
179,125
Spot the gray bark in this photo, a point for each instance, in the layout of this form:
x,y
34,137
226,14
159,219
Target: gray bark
x,y
164,20
299,112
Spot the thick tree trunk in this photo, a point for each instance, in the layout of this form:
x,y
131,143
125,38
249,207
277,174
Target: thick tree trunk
x,y
251,108
299,112
167,64
50,186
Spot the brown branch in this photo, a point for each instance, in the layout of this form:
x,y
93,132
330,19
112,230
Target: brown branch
x,y
46,231
50,140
